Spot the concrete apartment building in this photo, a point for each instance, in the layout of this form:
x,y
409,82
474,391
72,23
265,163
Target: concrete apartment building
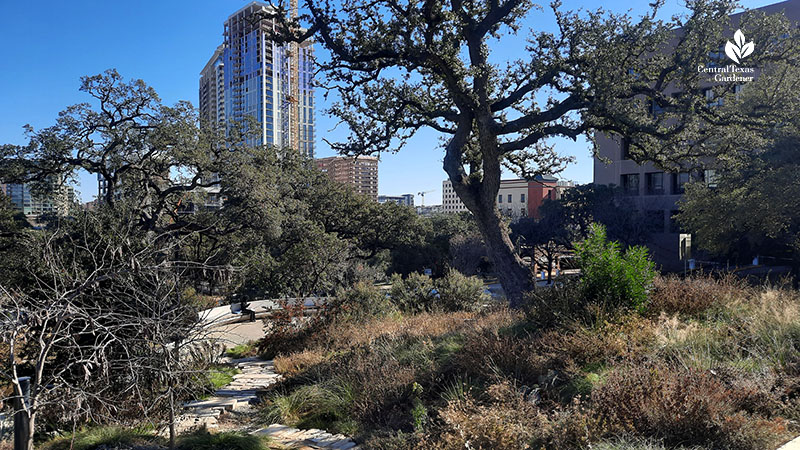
x,y
402,200
250,75
515,199
33,206
360,173
653,191
212,90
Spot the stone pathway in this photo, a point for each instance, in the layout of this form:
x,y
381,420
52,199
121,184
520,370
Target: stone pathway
x,y
240,395
794,444
254,374
307,439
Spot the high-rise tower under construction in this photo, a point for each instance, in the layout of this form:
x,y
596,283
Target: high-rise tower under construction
x,y
251,75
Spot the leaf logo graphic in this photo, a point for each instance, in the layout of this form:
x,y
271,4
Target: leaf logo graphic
x,y
740,50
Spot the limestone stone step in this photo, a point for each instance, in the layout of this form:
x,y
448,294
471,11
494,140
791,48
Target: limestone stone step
x,y
213,402
234,393
255,376
313,437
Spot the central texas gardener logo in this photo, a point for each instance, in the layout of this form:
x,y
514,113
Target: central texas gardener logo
x,y
740,49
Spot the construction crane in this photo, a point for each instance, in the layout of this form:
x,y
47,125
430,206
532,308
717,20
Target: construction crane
x,y
294,83
291,101
422,194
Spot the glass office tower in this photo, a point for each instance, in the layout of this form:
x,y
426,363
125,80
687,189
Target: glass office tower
x,y
251,75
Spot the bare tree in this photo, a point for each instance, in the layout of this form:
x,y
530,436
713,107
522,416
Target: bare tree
x,y
102,330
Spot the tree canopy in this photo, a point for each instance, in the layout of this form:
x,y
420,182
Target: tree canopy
x,y
751,204
399,67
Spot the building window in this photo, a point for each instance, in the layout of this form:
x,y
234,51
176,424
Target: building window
x,y
499,199
510,198
655,109
522,198
711,98
716,57
630,183
524,212
655,183
679,181
710,177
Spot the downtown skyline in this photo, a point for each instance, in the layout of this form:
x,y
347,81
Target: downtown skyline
x,y
167,44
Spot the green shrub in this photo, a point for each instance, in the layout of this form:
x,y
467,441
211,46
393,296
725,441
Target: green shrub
x,y
419,413
414,294
454,292
362,301
458,292
611,277
203,440
102,437
242,351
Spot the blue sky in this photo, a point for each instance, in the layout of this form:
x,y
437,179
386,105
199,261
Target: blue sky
x,y
49,45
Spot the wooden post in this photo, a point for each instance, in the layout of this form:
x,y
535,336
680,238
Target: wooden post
x,y
21,419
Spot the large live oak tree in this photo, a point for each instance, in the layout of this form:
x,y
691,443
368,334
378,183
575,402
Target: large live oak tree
x,y
148,154
401,66
158,163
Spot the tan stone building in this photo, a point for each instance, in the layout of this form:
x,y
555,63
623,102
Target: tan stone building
x,y
654,192
360,173
515,199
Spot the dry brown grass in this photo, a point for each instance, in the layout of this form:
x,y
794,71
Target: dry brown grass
x,y
509,423
713,363
298,362
682,405
509,420
346,335
696,295
757,329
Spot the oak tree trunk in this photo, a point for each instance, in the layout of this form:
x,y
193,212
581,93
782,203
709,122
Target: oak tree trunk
x,y
479,198
513,274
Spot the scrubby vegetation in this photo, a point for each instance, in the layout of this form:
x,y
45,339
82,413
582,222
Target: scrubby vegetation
x,y
108,438
611,276
699,363
219,376
453,292
241,351
104,437
203,440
